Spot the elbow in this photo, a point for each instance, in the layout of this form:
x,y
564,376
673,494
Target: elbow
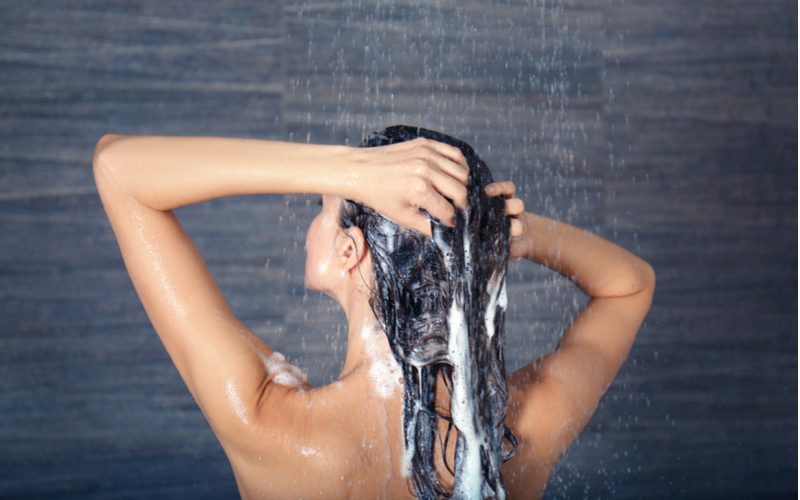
x,y
648,276
640,278
101,146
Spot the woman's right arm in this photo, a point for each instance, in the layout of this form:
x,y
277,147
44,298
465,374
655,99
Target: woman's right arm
x,y
558,393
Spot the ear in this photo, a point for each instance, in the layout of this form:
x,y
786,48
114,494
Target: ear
x,y
351,248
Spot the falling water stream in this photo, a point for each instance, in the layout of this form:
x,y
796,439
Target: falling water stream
x,y
520,81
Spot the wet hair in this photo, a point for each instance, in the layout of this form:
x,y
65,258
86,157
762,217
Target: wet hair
x,y
441,301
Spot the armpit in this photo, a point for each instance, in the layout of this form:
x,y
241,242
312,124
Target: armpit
x,y
282,372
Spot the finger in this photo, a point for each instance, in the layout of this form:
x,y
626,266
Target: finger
x,y
439,207
504,188
459,172
516,228
419,222
453,153
446,157
514,206
449,187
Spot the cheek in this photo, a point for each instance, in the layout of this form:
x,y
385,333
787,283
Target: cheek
x,y
317,259
323,263
322,249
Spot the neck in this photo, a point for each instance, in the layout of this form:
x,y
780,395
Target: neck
x,y
368,351
361,327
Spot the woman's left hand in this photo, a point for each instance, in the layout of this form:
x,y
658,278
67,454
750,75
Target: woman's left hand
x,y
400,179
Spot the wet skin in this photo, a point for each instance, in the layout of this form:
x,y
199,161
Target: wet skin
x,y
348,435
344,439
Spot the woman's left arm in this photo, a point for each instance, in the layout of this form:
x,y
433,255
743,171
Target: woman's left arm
x,y
140,180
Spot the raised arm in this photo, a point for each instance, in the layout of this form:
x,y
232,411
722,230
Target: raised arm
x,y
140,180
558,393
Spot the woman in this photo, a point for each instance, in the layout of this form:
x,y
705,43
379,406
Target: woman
x,y
285,439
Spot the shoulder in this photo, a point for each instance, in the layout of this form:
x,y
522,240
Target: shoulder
x,y
301,443
528,472
533,419
289,419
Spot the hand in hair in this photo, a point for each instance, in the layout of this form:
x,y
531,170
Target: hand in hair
x,y
515,209
398,180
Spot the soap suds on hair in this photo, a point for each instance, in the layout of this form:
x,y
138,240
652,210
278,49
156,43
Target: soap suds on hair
x,y
497,298
440,304
463,398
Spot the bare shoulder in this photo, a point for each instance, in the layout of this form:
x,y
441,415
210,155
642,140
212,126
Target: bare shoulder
x,y
297,447
526,475
553,398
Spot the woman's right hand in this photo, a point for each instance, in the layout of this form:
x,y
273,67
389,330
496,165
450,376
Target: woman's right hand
x,y
515,209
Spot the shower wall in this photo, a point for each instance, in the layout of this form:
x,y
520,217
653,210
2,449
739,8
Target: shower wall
x,y
667,127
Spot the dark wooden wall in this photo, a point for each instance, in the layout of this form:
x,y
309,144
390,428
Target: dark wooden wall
x,y
669,128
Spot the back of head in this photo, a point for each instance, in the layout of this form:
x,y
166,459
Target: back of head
x,y
441,302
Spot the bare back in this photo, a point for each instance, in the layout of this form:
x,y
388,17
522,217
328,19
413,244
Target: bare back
x,y
338,440
342,441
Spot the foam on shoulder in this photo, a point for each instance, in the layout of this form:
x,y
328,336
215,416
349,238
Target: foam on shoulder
x,y
384,370
283,372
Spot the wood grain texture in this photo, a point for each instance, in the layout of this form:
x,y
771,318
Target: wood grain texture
x,y
667,127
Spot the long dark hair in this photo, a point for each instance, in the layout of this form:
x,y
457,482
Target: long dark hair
x,y
441,302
